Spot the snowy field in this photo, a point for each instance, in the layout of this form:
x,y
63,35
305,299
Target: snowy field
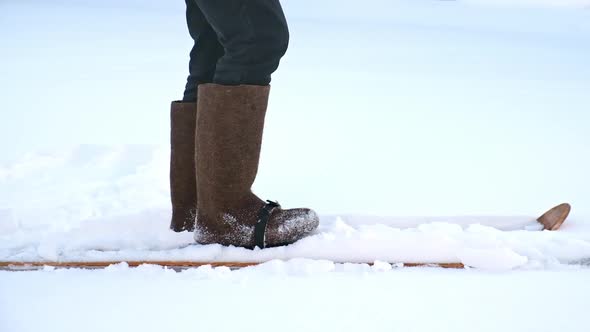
x,y
477,109
298,296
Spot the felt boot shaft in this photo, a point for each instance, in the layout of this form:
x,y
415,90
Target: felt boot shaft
x,y
183,192
230,123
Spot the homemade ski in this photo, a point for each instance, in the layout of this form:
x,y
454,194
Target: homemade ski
x,y
551,220
177,265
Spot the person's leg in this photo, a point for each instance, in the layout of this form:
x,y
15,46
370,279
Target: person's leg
x,y
229,130
183,116
254,35
205,53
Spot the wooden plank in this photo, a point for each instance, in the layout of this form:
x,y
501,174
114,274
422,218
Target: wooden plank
x,y
175,264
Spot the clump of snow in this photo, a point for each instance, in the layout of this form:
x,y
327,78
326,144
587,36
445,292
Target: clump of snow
x,y
381,266
492,259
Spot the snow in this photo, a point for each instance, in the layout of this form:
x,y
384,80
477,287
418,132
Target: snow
x,y
295,296
469,117
145,236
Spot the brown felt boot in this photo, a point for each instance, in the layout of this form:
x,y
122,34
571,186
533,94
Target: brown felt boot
x,y
229,136
183,191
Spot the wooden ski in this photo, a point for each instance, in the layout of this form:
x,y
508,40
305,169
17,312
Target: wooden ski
x,y
19,266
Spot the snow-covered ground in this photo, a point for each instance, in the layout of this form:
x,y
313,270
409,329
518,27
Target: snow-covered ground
x,y
470,108
295,296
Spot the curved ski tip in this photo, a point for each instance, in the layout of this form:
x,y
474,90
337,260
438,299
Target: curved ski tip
x,y
554,218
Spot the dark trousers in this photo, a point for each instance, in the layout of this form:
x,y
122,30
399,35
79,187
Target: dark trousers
x,y
236,42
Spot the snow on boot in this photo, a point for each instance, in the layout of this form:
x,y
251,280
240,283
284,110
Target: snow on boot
x,y
229,136
183,191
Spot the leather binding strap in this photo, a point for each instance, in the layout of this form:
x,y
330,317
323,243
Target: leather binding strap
x,y
263,217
